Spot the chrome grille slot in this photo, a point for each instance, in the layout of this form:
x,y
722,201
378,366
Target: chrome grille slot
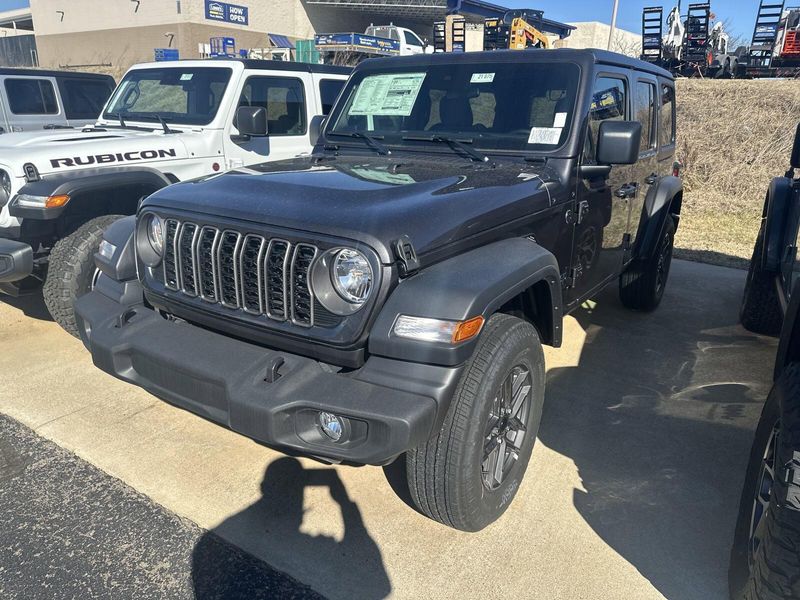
x,y
207,273
250,263
186,258
170,252
302,303
276,274
228,268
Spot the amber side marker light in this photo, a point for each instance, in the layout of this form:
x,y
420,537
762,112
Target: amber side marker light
x,y
466,330
56,201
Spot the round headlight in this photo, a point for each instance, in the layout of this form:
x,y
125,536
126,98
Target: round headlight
x,y
351,274
155,233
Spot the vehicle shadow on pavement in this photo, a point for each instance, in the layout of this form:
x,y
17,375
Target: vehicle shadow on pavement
x,y
353,564
31,305
660,432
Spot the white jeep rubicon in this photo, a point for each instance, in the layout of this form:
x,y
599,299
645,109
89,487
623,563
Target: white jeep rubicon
x,y
165,122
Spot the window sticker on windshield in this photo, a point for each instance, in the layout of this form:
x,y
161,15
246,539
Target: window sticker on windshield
x,y
545,135
387,95
187,76
560,120
482,78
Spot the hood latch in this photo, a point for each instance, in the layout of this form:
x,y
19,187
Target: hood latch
x,y
406,255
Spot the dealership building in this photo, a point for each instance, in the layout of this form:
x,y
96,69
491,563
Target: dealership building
x,y
111,35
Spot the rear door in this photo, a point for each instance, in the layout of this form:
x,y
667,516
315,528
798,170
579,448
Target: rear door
x,y
646,171
289,110
33,102
603,207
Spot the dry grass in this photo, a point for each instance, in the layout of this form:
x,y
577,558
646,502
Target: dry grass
x,y
733,137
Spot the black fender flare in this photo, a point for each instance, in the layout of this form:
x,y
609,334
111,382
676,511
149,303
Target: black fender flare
x,y
478,282
80,182
776,203
789,342
656,210
121,265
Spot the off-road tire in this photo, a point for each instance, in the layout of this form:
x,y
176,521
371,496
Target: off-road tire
x,y
444,473
773,570
71,270
760,311
642,285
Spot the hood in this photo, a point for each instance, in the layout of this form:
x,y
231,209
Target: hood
x,y
60,150
436,202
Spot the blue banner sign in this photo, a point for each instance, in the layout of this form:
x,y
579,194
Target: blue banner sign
x,y
227,13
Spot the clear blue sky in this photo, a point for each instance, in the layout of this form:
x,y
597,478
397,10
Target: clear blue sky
x,y
742,13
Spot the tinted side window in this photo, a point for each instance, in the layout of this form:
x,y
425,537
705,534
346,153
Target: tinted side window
x,y
411,39
84,99
609,103
646,113
328,91
666,136
31,97
284,100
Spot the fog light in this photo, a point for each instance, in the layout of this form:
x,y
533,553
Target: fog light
x,y
331,425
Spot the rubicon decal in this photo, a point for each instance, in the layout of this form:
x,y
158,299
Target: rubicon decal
x,y
104,159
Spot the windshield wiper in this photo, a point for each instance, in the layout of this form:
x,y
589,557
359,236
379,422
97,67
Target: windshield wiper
x,y
453,143
163,122
372,141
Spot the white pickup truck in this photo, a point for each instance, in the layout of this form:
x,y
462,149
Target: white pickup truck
x,y
165,122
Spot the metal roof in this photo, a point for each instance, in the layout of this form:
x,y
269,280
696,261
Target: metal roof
x,y
436,10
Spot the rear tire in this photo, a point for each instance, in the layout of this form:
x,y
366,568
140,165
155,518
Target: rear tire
x,y
642,285
760,311
467,474
71,272
765,558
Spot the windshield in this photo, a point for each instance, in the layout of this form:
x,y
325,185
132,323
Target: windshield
x,y
506,107
177,95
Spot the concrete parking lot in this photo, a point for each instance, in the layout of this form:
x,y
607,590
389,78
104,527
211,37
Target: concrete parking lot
x,y
631,491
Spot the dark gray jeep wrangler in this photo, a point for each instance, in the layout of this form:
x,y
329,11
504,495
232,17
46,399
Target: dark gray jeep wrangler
x,y
390,294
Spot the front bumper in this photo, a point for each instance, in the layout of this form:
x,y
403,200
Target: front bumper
x,y
391,405
16,260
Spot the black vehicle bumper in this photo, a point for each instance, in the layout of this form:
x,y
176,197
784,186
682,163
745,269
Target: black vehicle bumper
x,y
16,260
390,406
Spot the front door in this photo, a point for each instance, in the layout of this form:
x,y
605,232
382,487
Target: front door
x,y
285,101
603,203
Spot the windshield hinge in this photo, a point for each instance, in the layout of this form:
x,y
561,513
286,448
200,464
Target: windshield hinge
x,y
406,255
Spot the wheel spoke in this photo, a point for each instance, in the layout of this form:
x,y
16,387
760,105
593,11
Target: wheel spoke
x,y
499,461
519,399
490,446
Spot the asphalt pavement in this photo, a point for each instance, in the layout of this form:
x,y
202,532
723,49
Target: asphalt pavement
x,y
631,491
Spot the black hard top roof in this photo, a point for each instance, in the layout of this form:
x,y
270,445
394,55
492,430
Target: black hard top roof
x,y
52,73
587,58
285,65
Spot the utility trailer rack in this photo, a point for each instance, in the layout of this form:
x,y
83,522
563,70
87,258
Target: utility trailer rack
x,y
695,42
653,35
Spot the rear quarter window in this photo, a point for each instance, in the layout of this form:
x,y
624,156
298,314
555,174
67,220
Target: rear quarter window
x,y
84,98
666,130
31,96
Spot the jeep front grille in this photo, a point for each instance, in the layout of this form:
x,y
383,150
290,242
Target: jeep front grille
x,y
224,267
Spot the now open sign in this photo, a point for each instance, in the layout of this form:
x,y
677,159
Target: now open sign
x,y
227,13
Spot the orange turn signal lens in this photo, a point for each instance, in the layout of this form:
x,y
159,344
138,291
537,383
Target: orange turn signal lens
x,y
56,201
466,330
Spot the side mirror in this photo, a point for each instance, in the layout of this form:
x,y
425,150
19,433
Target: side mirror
x,y
315,128
618,142
251,121
796,149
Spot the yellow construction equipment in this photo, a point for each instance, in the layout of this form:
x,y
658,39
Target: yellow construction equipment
x,y
515,31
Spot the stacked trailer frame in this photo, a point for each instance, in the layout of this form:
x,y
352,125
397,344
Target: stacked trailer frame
x,y
653,35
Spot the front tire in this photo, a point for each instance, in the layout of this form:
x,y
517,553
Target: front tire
x,y
760,311
765,558
467,474
71,272
642,285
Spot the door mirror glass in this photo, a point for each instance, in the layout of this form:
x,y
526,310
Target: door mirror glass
x,y
618,142
796,149
252,121
315,128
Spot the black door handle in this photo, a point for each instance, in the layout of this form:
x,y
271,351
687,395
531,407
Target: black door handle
x,y
651,179
627,191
